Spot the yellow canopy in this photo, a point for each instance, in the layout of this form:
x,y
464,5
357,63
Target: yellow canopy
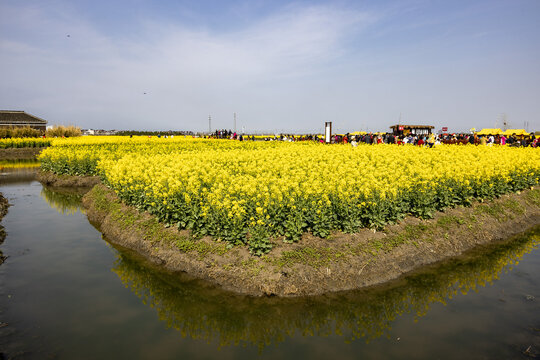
x,y
359,133
490,132
518,132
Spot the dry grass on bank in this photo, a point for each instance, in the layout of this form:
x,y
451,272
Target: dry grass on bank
x,y
19,132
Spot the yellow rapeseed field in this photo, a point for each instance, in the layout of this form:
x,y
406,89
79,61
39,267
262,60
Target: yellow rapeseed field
x,y
247,192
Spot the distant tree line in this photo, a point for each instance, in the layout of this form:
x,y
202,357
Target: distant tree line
x,y
152,133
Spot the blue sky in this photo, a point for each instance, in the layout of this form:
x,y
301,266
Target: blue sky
x,y
281,66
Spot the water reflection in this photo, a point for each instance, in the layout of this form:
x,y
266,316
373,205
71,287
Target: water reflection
x,y
66,201
18,172
203,312
22,163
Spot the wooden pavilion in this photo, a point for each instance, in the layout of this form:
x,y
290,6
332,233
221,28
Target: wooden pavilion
x,y
411,129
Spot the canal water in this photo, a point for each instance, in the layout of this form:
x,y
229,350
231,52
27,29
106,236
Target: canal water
x,y
66,293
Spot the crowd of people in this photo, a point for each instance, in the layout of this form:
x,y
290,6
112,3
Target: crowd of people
x,y
390,138
231,135
437,139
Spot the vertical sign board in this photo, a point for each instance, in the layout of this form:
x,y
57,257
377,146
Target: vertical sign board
x,y
327,132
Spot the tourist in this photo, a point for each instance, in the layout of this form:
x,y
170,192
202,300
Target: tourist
x,y
483,140
431,140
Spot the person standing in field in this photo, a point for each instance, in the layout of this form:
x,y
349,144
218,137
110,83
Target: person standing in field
x,y
431,140
368,139
483,140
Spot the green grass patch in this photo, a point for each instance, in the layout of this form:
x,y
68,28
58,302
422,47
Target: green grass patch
x,y
410,234
496,211
533,197
314,257
448,221
99,198
202,248
505,210
253,266
514,207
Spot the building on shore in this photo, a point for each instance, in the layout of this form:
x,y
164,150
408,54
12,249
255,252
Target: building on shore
x,y
411,129
18,118
99,132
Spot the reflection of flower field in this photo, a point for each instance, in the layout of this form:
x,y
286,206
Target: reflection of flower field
x,y
212,315
24,142
17,164
247,192
65,202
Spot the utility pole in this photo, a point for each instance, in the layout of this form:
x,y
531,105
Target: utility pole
x,y
503,120
234,115
209,124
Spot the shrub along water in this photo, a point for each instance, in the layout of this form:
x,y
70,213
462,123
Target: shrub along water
x,y
63,131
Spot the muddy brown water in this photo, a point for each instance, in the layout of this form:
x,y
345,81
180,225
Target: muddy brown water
x,y
66,293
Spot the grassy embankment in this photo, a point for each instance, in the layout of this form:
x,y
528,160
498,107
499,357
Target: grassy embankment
x,y
314,265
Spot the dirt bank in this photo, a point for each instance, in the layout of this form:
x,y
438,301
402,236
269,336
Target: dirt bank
x,y
313,265
3,211
51,179
20,153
